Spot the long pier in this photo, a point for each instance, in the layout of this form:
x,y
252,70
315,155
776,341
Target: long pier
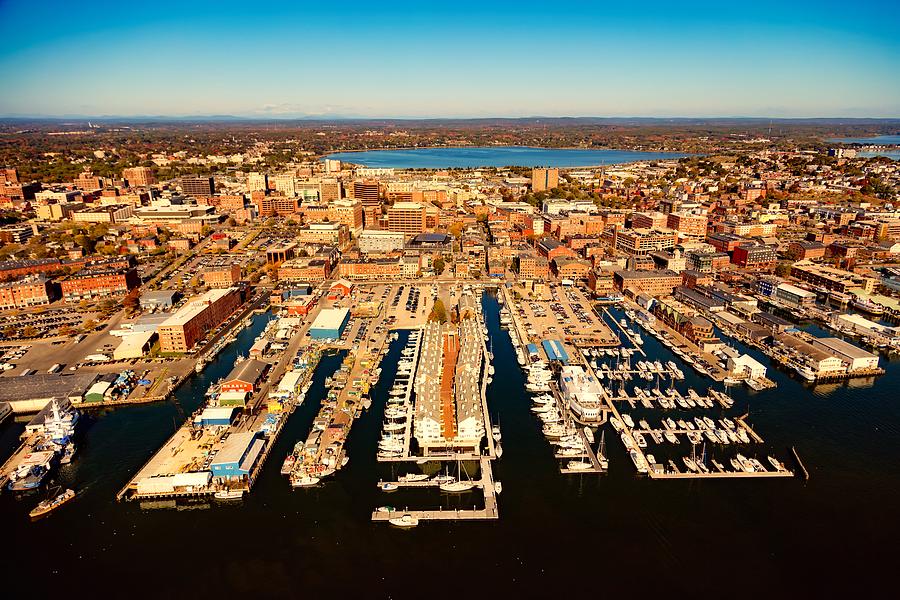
x,y
486,484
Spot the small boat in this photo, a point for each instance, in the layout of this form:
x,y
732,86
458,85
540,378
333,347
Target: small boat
x,y
457,486
495,433
498,450
48,506
498,487
589,435
405,521
229,494
775,464
441,479
288,465
387,509
413,477
578,465
389,487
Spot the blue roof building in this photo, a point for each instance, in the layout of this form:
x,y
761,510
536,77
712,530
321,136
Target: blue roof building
x,y
238,456
555,351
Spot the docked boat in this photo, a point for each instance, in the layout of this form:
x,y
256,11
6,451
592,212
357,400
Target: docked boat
x,y
288,465
405,521
413,477
640,440
671,437
229,494
639,463
457,486
49,505
389,487
578,465
627,420
775,464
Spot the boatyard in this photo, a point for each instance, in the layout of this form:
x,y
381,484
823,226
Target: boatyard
x,y
220,450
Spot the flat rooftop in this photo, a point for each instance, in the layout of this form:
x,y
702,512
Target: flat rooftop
x,y
44,386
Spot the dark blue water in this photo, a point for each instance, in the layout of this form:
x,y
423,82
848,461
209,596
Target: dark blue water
x,y
617,534
875,139
502,156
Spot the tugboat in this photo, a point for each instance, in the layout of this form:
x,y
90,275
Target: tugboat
x,y
48,506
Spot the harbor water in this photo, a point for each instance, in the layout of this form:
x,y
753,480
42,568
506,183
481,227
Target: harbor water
x,y
557,535
496,156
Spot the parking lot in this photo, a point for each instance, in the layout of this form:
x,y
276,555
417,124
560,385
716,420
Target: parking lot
x,y
565,314
42,322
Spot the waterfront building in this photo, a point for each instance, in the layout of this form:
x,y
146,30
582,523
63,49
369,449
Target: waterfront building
x,y
836,280
238,456
794,296
329,324
653,283
196,318
245,376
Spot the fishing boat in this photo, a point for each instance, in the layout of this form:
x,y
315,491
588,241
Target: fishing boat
x,y
229,494
305,481
51,504
405,521
288,465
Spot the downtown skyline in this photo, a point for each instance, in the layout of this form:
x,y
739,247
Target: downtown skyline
x,y
402,61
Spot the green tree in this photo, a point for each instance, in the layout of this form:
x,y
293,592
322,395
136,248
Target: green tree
x,y
783,269
439,265
438,312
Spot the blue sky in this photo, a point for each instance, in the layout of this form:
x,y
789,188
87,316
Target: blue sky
x,y
457,59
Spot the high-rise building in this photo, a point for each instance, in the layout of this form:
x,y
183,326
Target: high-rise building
x,y
89,182
544,179
408,217
9,175
348,212
330,190
194,185
285,184
139,176
367,191
257,182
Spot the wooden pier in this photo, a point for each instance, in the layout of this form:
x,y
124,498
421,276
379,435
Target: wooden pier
x,y
486,484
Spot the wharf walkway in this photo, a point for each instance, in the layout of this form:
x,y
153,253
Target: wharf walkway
x,y
486,484
721,475
624,331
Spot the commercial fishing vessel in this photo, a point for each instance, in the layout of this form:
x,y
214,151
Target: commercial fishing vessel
x,y
51,504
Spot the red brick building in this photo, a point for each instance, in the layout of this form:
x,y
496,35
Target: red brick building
x,y
96,284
